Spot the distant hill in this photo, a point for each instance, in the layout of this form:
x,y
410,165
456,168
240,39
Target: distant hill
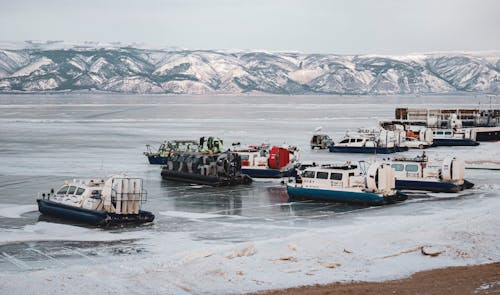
x,y
116,68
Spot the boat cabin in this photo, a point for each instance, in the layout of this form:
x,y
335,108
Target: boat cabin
x,y
325,177
407,169
253,158
122,195
357,141
86,194
453,133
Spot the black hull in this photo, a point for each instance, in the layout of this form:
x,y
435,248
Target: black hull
x,y
206,180
92,217
366,150
157,160
488,136
454,142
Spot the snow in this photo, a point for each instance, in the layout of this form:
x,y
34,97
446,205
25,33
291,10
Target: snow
x,y
97,65
185,86
34,66
80,65
371,247
305,76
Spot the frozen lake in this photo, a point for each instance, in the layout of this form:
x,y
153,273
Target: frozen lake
x,y
195,243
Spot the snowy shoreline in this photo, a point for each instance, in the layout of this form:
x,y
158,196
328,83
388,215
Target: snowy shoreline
x,y
373,245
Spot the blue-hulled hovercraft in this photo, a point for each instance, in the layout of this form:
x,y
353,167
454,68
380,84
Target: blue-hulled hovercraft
x,y
346,184
418,173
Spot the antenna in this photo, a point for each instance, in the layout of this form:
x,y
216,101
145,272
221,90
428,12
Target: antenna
x,y
101,169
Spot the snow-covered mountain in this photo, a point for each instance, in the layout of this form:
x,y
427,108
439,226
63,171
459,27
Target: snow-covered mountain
x,y
117,68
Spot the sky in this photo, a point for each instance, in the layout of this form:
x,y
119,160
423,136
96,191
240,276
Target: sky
x,y
310,26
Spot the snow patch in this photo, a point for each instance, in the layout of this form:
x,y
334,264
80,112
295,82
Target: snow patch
x,y
32,67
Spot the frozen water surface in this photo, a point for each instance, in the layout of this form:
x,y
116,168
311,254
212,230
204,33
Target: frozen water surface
x,y
221,240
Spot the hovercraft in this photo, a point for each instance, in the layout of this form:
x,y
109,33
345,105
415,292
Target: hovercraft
x,y
419,174
265,161
346,184
159,156
221,169
370,142
115,201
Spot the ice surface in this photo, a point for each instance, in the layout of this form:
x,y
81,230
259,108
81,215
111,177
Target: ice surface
x,y
15,211
221,240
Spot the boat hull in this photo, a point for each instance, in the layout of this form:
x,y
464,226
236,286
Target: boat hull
x,y
366,150
454,142
433,186
157,160
268,173
203,179
365,198
92,217
488,135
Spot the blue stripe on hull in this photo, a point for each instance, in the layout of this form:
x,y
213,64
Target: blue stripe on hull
x,y
268,173
366,150
453,142
433,186
335,196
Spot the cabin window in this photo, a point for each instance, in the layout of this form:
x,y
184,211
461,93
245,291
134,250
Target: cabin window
x,y
439,133
359,140
79,191
322,175
245,157
411,168
345,141
337,176
63,190
308,174
448,133
398,167
351,174
71,190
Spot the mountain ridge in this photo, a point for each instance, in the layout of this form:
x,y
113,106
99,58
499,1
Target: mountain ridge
x,y
47,68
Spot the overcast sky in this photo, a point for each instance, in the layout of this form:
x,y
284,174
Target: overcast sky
x,y
312,26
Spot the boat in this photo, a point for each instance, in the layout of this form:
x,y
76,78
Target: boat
x,y
418,174
453,137
215,169
168,148
370,142
484,124
159,156
268,162
346,184
114,201
486,133
416,138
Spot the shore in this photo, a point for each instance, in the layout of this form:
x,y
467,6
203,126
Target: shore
x,y
477,279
